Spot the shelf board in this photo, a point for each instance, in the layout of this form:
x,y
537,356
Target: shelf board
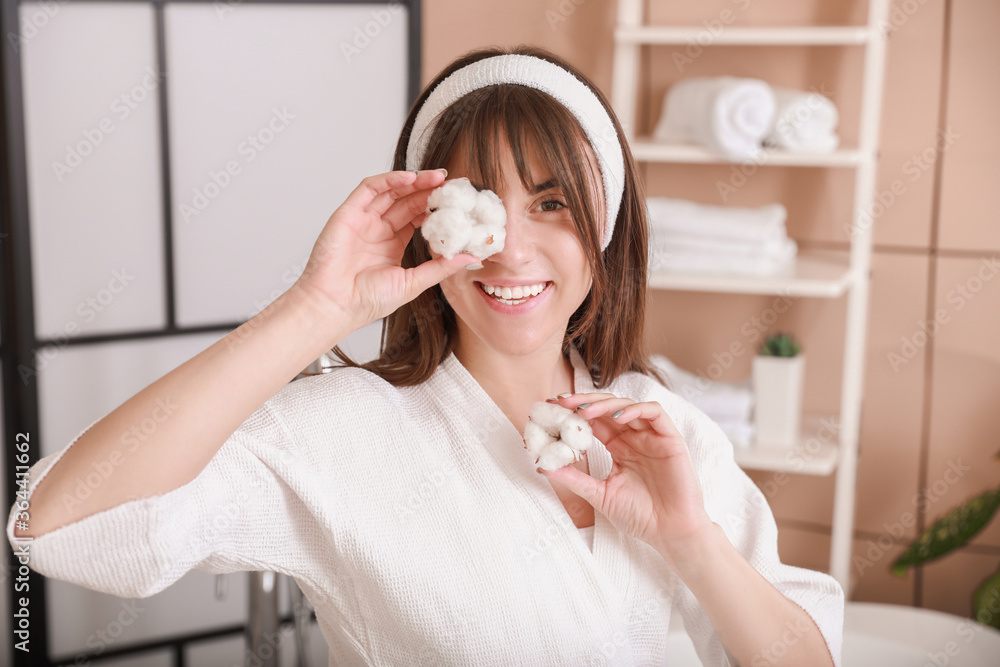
x,y
744,36
650,150
814,273
816,453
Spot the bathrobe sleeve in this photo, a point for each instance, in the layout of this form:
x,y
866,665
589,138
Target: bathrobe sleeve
x,y
737,504
233,516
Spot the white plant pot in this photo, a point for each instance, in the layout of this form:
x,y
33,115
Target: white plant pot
x,y
777,386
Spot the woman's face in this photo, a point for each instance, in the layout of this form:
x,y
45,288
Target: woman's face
x,y
522,298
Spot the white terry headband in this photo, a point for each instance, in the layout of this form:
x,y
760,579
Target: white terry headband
x,y
548,78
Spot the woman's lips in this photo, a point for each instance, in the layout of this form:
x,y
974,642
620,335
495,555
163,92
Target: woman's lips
x,y
514,306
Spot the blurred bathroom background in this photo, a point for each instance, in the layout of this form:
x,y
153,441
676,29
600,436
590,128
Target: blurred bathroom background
x,y
278,109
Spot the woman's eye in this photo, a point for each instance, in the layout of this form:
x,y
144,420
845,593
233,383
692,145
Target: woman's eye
x,y
551,205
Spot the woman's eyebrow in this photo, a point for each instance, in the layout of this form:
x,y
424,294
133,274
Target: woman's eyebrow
x,y
547,185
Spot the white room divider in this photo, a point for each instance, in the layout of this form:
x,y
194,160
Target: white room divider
x,y
168,167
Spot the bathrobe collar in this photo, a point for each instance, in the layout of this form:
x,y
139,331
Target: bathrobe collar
x,y
609,564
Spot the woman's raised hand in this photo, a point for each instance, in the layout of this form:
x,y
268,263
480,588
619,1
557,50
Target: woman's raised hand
x,y
354,270
652,492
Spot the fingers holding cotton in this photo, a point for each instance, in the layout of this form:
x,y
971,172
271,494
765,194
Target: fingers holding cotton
x,y
463,219
556,436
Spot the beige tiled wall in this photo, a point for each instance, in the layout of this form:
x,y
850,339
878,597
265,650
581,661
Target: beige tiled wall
x,y
939,408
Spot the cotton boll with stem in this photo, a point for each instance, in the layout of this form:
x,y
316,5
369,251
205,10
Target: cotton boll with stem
x,y
458,194
556,436
447,231
557,455
463,219
536,439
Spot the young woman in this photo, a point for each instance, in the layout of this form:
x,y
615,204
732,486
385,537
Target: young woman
x,y
398,493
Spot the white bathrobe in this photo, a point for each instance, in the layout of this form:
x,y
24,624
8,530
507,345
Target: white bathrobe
x,y
415,523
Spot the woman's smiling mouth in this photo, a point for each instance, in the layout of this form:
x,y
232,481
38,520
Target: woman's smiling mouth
x,y
512,295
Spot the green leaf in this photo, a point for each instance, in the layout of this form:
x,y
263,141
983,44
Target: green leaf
x,y
780,345
985,600
951,531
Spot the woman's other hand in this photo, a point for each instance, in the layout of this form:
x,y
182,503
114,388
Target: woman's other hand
x,y
652,492
354,270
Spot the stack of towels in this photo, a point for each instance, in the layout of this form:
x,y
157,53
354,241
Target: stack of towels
x,y
729,405
739,117
688,237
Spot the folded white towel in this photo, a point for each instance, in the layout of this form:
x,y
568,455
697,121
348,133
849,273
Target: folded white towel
x,y
729,405
689,243
728,115
719,400
780,263
741,433
672,217
804,122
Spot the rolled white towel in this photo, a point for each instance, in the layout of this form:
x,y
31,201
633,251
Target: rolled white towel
x,y
804,122
670,217
779,263
728,115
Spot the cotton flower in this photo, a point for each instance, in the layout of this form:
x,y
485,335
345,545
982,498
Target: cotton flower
x,y
463,219
555,436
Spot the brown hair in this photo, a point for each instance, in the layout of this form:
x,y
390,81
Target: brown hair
x,y
607,328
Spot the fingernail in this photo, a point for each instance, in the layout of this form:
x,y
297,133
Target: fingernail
x,y
475,266
582,406
551,400
443,171
539,471
617,414
564,395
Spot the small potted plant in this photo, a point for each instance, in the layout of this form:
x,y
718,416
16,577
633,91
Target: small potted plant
x,y
778,372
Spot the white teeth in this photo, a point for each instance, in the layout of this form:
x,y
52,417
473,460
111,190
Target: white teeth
x,y
514,295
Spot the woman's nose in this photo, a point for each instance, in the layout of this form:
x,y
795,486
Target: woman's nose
x,y
519,246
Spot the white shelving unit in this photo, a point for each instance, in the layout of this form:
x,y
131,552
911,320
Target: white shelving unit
x,y
828,444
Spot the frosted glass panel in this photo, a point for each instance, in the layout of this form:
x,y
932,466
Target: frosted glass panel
x,y
80,383
189,605
272,125
90,103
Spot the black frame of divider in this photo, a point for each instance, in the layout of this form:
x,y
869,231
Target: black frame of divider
x,y
17,311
